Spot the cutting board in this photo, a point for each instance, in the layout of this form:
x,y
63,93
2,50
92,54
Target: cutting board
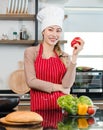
x,y
17,82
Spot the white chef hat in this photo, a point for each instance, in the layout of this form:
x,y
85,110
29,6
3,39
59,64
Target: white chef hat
x,y
51,15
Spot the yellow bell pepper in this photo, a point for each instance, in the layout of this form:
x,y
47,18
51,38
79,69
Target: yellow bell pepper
x,y
82,109
82,123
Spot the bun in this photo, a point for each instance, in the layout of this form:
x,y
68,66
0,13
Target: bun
x,y
2,120
23,117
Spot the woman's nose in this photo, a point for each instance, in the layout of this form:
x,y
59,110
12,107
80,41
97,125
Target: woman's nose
x,y
55,33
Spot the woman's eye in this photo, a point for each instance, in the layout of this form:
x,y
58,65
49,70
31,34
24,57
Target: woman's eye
x,y
59,30
50,29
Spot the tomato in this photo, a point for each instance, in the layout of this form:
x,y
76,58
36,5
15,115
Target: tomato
x,y
74,41
90,110
91,121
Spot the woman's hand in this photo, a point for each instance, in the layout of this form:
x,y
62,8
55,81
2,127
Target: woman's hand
x,y
65,90
58,87
76,50
78,47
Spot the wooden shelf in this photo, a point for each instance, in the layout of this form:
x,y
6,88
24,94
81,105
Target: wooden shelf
x,y
27,17
61,41
17,42
24,42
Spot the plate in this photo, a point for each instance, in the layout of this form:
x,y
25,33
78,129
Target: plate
x,y
19,6
13,6
9,6
16,6
26,6
23,5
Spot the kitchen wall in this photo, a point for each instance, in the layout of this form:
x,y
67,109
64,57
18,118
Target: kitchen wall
x,y
78,20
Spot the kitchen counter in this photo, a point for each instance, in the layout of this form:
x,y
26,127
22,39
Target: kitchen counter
x,y
55,120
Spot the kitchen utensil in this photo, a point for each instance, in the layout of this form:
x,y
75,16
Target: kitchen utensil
x,y
7,103
84,68
17,81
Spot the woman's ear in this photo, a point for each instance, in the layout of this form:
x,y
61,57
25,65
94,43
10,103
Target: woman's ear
x,y
42,33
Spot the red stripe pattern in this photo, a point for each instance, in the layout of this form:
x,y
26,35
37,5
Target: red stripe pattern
x,y
51,70
51,118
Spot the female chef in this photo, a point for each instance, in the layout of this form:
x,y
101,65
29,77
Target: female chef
x,y
50,72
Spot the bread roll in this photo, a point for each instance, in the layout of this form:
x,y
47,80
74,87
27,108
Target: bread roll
x,y
23,117
3,121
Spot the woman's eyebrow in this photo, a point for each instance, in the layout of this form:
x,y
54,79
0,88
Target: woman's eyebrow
x,y
54,27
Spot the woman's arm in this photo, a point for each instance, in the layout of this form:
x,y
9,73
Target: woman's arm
x,y
70,74
69,77
30,55
29,59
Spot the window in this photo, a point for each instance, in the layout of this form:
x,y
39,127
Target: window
x,y
92,54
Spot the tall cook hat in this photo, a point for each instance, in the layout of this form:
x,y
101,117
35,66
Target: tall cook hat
x,y
51,15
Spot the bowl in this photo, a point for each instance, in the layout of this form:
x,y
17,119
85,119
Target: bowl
x,y
77,123
90,112
7,103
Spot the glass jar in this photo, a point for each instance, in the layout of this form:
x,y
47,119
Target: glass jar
x,y
23,33
14,35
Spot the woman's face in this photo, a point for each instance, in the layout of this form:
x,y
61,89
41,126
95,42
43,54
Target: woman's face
x,y
52,34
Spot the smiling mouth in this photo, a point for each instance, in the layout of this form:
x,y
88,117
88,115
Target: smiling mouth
x,y
53,40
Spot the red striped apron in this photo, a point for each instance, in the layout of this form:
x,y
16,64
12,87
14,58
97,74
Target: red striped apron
x,y
51,118
51,70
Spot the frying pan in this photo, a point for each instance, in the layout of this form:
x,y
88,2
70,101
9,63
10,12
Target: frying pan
x,y
7,103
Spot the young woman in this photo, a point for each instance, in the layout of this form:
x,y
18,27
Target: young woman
x,y
50,73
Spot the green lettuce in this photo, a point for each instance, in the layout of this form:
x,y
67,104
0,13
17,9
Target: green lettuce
x,y
86,100
68,103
